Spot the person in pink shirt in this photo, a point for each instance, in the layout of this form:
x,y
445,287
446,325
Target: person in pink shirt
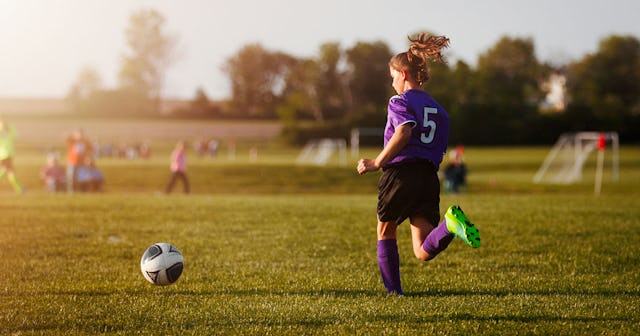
x,y
53,174
178,168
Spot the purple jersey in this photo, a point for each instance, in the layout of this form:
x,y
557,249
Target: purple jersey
x,y
430,127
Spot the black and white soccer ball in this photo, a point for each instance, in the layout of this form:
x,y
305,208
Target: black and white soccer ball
x,y
162,264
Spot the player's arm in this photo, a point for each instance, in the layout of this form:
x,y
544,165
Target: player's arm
x,y
398,140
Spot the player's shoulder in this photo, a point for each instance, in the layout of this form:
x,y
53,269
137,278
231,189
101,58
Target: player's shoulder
x,y
397,97
412,96
398,101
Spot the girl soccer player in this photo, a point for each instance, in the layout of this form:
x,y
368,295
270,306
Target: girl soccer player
x,y
415,140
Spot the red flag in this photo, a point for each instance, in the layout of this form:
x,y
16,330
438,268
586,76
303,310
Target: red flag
x,y
602,142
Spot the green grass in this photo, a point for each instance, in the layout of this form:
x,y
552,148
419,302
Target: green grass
x,y
275,248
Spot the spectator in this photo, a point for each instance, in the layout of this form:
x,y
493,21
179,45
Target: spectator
x,y
90,178
78,148
455,173
212,146
53,174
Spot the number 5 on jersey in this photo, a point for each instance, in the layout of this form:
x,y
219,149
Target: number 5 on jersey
x,y
429,125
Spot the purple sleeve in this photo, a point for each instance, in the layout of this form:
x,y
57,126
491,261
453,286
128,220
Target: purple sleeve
x,y
400,112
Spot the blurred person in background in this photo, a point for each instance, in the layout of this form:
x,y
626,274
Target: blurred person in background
x,y
90,177
178,168
53,174
78,148
7,151
455,173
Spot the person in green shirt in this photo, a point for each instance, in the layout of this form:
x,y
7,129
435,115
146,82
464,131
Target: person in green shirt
x,y
7,151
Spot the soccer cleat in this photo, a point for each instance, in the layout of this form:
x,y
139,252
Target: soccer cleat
x,y
460,226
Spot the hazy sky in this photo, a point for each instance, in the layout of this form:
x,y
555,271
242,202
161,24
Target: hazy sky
x,y
45,43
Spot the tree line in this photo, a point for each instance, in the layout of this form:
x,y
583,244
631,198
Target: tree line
x,y
500,100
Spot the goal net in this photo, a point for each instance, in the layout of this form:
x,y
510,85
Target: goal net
x,y
320,151
565,161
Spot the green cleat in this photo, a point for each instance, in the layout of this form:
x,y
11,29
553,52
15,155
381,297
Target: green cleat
x,y
460,226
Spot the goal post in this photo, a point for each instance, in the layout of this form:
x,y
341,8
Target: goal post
x,y
567,157
358,133
320,151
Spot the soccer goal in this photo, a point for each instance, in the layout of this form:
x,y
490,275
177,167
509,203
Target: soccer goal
x,y
364,132
320,151
565,161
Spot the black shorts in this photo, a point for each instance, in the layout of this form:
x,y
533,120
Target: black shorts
x,y
407,190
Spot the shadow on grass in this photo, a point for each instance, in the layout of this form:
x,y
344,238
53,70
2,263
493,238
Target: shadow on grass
x,y
502,318
232,292
348,293
506,292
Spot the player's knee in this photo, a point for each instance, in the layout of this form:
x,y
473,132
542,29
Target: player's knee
x,y
422,255
386,230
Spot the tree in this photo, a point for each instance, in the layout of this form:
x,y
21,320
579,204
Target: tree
x,y
505,92
606,85
151,52
87,83
451,86
258,79
510,73
369,84
200,105
334,95
300,96
317,87
83,89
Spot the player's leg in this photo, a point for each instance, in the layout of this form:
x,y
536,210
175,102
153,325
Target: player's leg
x,y
420,229
436,241
454,224
172,182
387,230
71,177
11,176
388,257
185,183
460,226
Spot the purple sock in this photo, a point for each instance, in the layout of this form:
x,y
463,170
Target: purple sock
x,y
437,240
389,262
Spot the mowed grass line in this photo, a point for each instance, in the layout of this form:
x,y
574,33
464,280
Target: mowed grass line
x,y
551,263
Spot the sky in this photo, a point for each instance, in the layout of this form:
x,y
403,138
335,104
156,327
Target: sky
x,y
44,44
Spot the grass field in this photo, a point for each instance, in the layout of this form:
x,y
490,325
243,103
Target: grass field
x,y
274,248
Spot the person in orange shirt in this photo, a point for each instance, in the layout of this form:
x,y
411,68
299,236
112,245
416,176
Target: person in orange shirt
x,y
78,148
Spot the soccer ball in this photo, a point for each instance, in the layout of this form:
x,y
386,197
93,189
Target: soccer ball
x,y
161,264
